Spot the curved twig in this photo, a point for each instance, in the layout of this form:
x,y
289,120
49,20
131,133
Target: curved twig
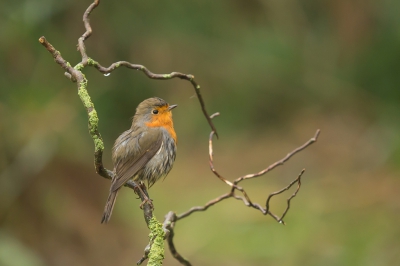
x,y
149,74
88,32
169,226
172,218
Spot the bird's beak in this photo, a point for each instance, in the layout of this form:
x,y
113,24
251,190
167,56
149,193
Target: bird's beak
x,y
172,107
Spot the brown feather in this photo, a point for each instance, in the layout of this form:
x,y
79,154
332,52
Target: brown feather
x,y
109,206
150,143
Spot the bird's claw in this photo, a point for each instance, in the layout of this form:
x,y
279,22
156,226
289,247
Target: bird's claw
x,y
148,201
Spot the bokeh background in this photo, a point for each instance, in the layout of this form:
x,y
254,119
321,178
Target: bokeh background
x,y
276,71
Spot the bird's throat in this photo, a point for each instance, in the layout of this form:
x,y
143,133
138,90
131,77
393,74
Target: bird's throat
x,y
164,120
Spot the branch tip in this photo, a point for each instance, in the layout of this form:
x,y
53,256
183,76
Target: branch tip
x,y
214,115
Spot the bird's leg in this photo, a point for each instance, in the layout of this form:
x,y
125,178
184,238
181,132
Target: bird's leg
x,y
146,199
142,192
144,189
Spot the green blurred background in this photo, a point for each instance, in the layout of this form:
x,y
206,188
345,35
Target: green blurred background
x,y
276,71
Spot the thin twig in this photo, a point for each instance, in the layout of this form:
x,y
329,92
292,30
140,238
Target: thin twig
x,y
169,224
280,162
298,181
88,32
294,194
145,255
205,207
229,183
56,55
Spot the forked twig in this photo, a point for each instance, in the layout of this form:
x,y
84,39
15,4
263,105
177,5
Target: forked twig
x,y
246,200
298,181
172,218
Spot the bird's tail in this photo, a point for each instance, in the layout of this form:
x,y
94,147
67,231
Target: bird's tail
x,y
109,206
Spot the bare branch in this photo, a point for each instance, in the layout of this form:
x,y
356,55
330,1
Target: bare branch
x,y
205,207
88,32
298,181
56,55
294,194
86,21
246,199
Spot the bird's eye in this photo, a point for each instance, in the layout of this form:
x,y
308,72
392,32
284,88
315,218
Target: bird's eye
x,y
155,112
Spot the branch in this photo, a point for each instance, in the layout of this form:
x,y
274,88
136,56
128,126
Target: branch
x,y
246,199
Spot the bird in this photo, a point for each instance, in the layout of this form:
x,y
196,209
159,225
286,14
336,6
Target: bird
x,y
144,153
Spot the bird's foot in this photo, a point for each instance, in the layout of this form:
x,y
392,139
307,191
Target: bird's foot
x,y
148,201
142,192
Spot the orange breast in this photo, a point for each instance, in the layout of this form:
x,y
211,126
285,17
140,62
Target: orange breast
x,y
164,120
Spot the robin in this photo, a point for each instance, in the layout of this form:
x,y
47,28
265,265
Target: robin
x,y
145,152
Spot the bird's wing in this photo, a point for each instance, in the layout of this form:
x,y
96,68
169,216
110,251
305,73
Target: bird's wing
x,y
149,143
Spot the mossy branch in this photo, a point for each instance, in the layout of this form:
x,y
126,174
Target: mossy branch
x,y
156,254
